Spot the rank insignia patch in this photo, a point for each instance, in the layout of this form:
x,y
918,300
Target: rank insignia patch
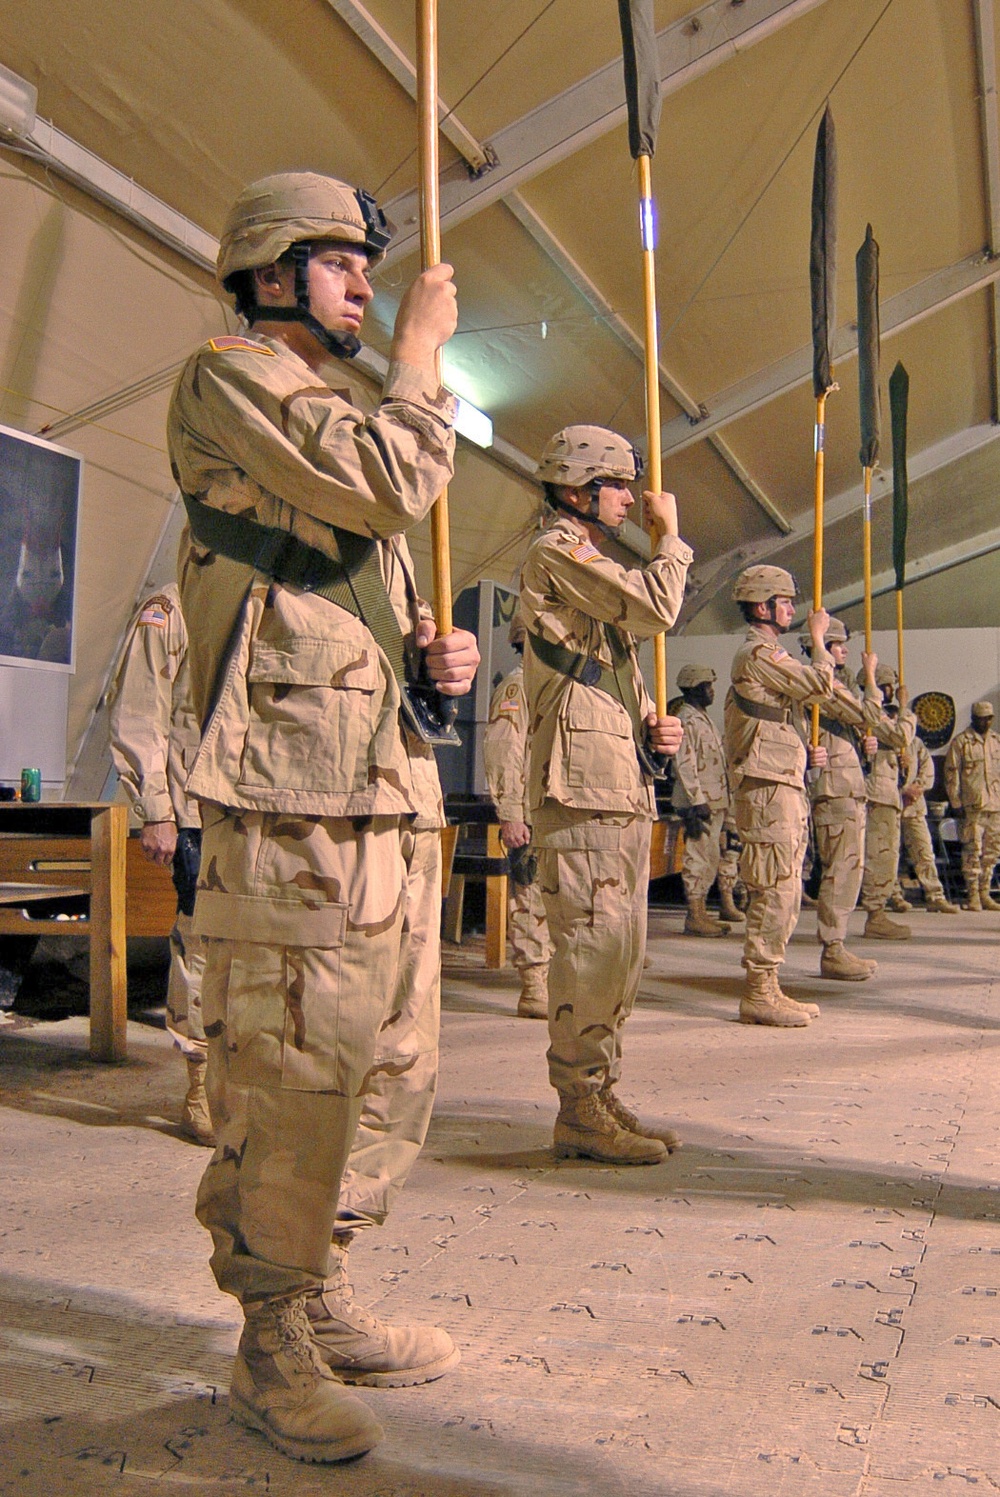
x,y
220,345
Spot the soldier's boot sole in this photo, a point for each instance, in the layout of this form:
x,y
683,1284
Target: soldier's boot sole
x,y
360,1431
642,1151
774,1015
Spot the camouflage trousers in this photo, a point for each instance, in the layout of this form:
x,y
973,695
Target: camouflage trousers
x,y
706,858
881,857
593,872
298,1010
920,851
839,824
187,963
980,847
529,935
773,822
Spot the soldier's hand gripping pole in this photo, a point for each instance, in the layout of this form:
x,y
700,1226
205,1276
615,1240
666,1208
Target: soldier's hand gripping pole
x,y
430,254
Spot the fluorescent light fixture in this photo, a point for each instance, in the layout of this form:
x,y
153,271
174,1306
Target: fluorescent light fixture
x,y
474,424
18,102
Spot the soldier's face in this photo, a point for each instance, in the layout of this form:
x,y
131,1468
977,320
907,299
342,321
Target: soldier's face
x,y
838,649
339,288
784,612
614,501
981,725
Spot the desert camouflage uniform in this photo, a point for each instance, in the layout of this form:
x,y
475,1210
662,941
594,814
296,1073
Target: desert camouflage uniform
x,y
885,807
972,777
839,804
320,843
700,768
916,833
154,738
766,762
591,805
505,746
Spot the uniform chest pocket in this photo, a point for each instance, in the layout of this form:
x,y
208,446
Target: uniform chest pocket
x,y
600,747
776,753
312,709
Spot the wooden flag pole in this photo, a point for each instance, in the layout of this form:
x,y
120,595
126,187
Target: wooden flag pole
x,y
430,254
819,481
867,547
899,638
652,366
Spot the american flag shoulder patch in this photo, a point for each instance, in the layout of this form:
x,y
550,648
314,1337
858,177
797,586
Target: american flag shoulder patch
x,y
584,551
155,615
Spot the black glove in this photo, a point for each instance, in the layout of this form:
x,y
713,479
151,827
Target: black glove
x,y
185,869
733,843
695,819
523,864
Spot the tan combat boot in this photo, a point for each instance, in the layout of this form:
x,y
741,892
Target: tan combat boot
x,y
281,1388
699,922
533,1002
586,1130
938,905
196,1120
728,910
357,1347
973,902
812,1009
763,1002
879,926
985,898
842,964
898,904
626,1118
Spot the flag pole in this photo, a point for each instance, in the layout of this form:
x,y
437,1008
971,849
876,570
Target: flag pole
x,y
430,255
652,366
899,399
823,286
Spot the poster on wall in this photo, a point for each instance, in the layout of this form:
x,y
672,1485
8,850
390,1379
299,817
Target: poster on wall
x,y
40,487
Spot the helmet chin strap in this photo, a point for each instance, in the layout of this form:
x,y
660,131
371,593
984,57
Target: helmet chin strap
x,y
341,345
592,514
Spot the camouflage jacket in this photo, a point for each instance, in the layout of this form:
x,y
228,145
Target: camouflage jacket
x,y
505,748
921,777
764,674
154,732
582,747
298,702
891,764
700,763
972,771
844,777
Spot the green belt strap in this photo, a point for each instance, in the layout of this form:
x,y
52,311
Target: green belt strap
x,y
759,710
353,583
836,729
590,672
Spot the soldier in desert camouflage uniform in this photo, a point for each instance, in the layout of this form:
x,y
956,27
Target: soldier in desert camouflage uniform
x,y
591,802
917,837
767,762
505,760
318,894
154,736
701,797
886,771
839,804
972,777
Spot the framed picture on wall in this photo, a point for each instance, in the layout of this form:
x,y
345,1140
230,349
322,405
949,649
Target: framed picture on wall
x,y
40,486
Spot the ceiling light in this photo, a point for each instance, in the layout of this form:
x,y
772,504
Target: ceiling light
x,y
18,102
474,424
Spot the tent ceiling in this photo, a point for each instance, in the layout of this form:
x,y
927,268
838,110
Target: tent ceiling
x,y
206,94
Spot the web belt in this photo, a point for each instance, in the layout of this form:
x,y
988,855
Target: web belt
x,y
617,682
760,710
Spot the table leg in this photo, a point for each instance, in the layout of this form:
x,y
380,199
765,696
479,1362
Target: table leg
x,y
108,983
496,904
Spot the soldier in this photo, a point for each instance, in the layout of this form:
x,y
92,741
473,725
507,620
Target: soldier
x,y
505,746
917,837
154,736
839,803
320,806
972,778
701,797
767,761
590,789
886,771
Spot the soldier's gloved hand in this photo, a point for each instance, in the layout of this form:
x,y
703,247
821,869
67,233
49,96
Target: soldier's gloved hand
x,y
664,734
817,757
451,658
515,834
870,745
158,840
695,820
733,843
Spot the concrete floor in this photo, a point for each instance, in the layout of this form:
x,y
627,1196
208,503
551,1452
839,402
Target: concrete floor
x,y
805,1298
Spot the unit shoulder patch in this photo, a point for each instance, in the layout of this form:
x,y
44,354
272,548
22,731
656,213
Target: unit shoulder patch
x,y
223,345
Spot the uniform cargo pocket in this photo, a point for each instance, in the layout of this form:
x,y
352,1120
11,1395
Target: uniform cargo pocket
x,y
312,705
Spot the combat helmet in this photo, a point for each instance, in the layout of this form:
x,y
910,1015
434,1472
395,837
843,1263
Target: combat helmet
x,y
583,457
293,211
836,634
690,676
762,583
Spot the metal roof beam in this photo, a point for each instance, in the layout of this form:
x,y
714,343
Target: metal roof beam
x,y
922,300
919,569
564,124
706,581
986,55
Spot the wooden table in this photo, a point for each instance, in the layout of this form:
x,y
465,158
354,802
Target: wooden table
x,y
34,840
